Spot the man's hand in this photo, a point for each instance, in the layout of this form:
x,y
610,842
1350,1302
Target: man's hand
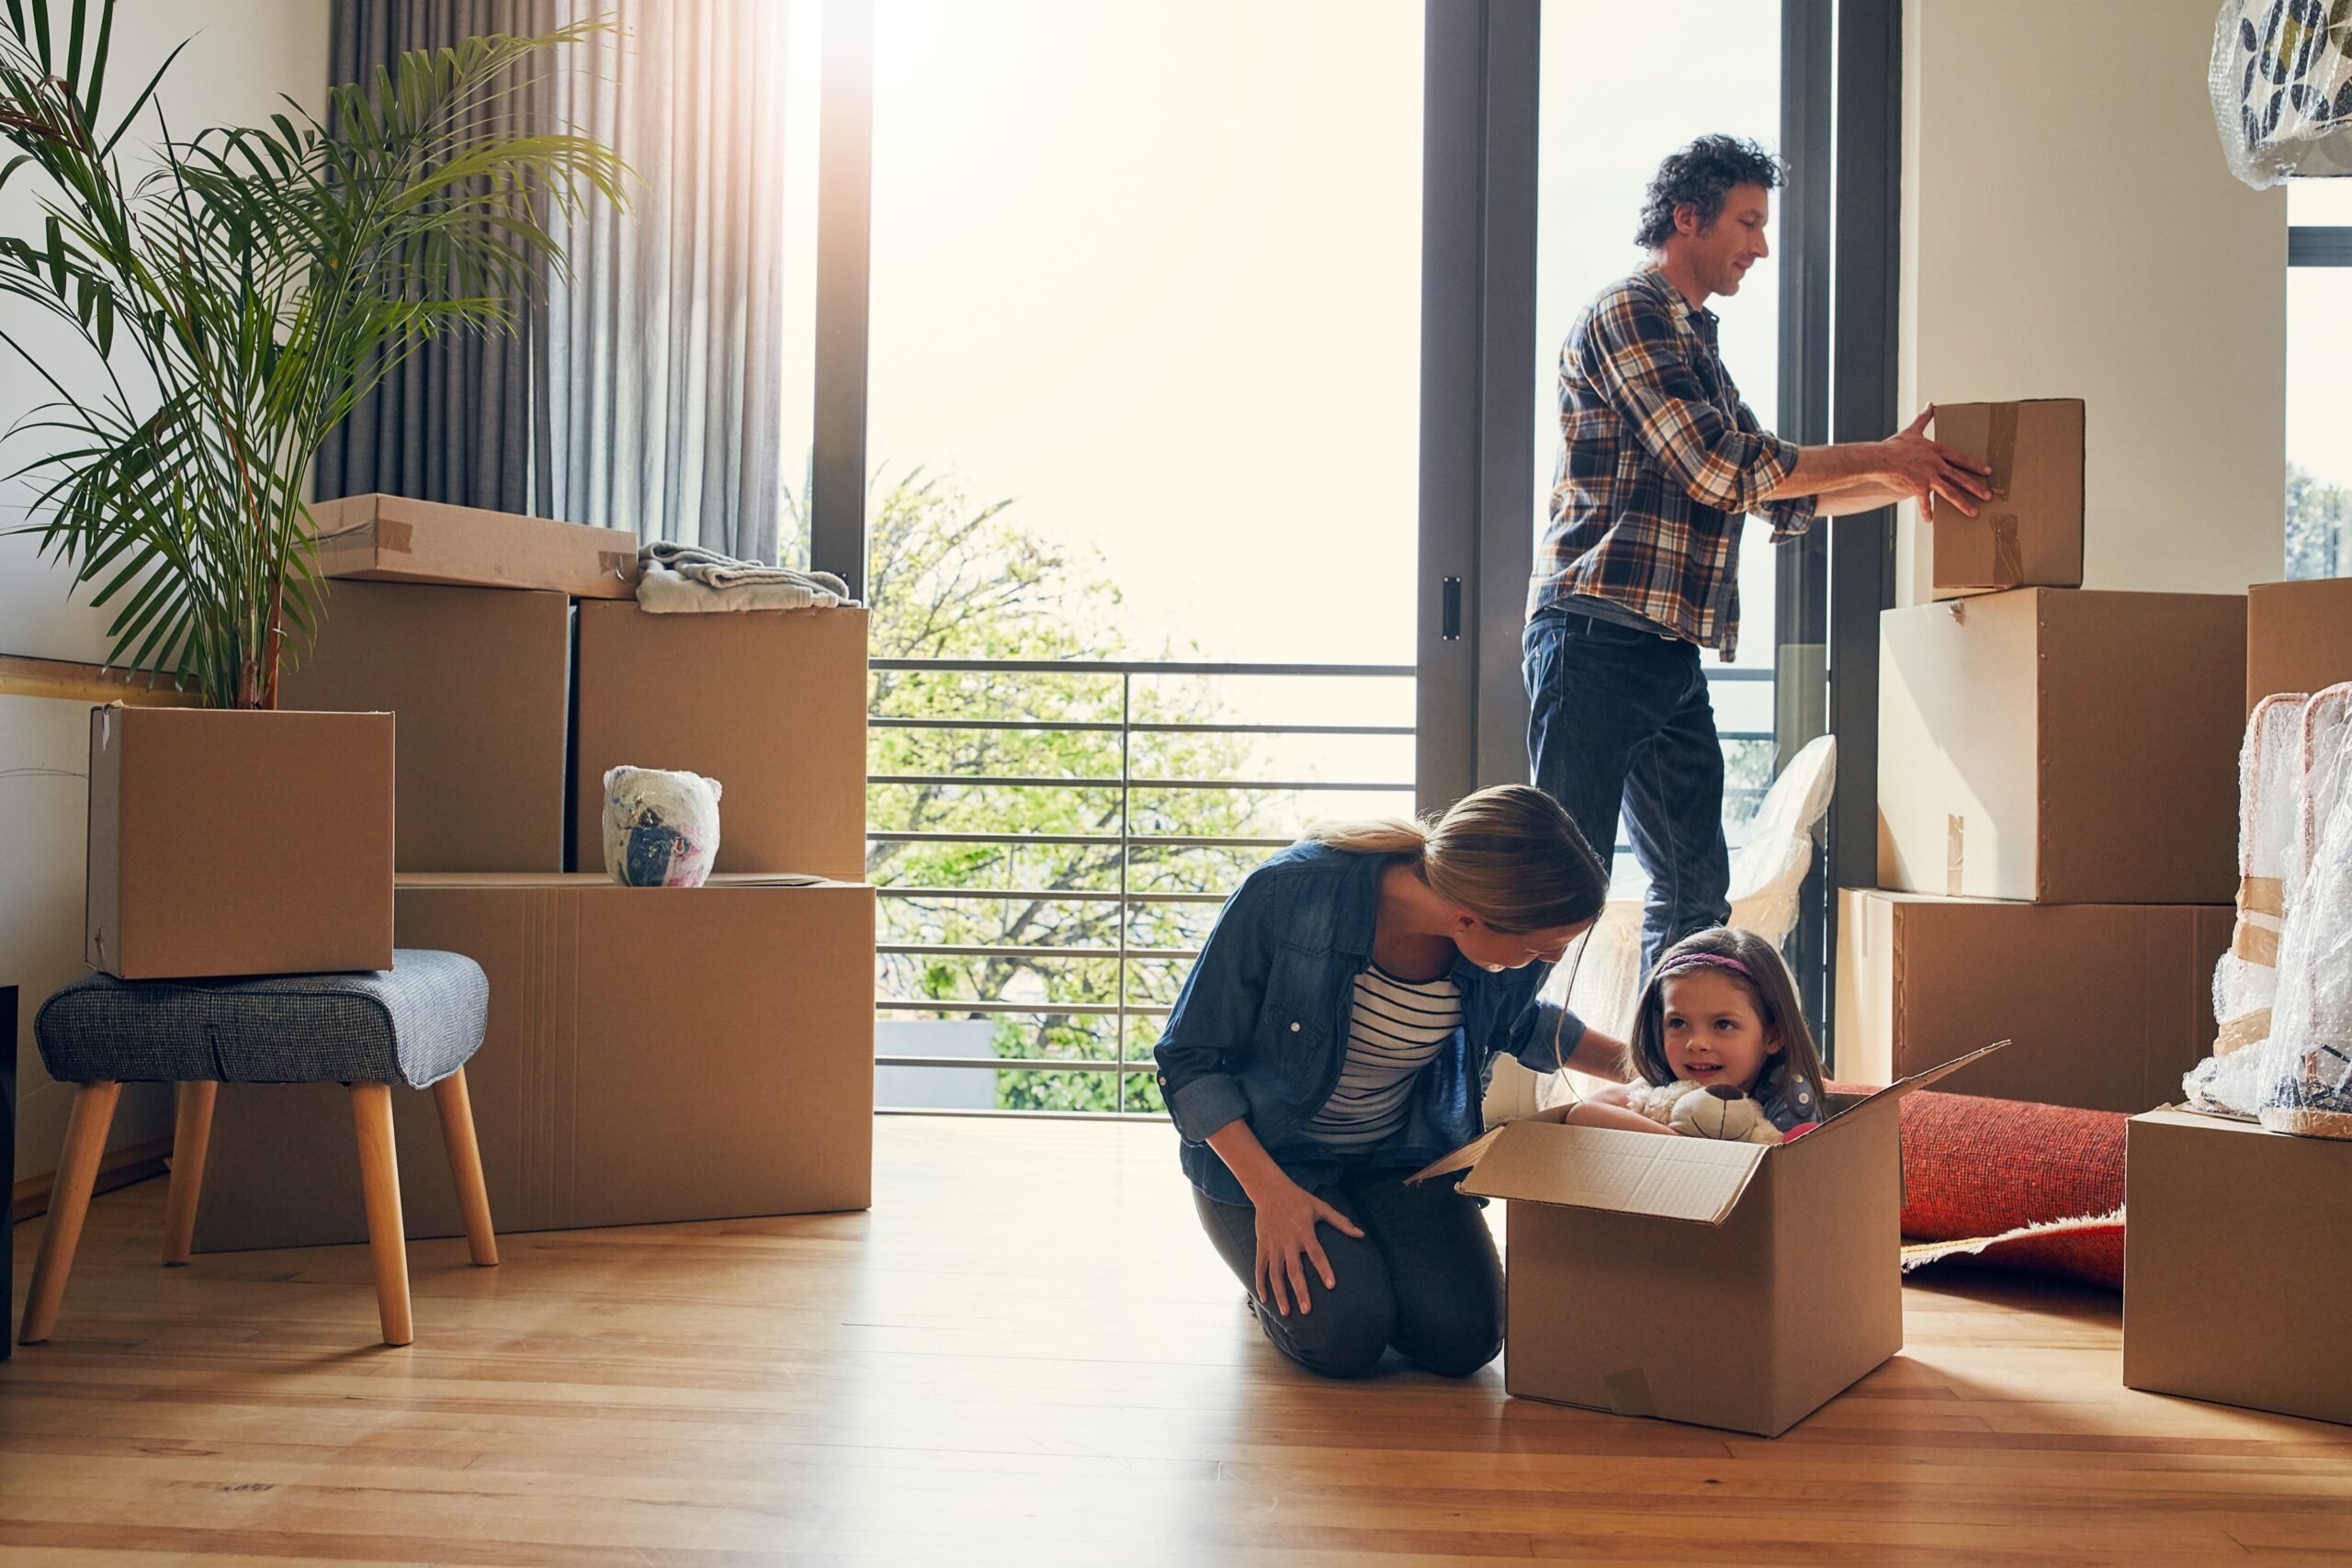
x,y
1287,1214
1915,466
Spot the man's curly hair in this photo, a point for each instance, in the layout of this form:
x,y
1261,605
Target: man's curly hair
x,y
1701,175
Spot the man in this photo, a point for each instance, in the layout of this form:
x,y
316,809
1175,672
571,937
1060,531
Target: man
x,y
1661,462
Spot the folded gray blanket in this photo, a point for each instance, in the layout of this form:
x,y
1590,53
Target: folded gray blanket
x,y
675,577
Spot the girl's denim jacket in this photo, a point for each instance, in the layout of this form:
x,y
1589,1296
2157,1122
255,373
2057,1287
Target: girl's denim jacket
x,y
1260,1028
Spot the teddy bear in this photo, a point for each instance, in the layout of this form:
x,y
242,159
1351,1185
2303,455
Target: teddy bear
x,y
1706,1112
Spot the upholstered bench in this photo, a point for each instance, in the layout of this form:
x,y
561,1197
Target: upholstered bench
x,y
417,1023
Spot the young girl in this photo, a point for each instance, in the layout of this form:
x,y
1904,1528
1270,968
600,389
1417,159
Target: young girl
x,y
1719,1009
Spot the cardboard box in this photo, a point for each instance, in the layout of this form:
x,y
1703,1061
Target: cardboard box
x,y
238,842
1620,1242
2062,746
390,538
480,680
2298,637
653,1054
2235,1267
2031,531
2108,1004
770,702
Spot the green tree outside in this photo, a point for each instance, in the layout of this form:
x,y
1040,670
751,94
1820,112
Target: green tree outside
x,y
2319,526
952,579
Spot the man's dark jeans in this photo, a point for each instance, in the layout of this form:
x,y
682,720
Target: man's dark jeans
x,y
1618,717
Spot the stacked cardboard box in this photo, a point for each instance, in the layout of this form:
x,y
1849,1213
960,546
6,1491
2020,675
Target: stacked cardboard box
x,y
652,1053
2236,1254
2058,803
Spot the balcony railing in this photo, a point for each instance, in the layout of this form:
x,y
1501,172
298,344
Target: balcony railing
x,y
1121,835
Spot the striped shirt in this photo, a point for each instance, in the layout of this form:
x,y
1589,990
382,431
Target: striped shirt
x,y
1393,1032
1660,461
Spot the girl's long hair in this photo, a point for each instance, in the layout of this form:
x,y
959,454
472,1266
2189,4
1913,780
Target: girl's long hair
x,y
1509,855
1770,988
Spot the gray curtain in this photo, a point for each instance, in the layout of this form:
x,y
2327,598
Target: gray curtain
x,y
646,393
665,348
458,421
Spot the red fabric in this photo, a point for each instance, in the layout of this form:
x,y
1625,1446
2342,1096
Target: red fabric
x,y
1977,1167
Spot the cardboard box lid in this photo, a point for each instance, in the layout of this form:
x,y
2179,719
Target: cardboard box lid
x,y
1542,1159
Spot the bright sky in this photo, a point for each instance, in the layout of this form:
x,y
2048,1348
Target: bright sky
x,y
2319,341
1153,269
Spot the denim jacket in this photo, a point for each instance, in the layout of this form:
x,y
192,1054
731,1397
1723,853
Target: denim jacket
x,y
1259,1031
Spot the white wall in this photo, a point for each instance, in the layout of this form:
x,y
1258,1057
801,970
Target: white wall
x,y
244,54
2069,230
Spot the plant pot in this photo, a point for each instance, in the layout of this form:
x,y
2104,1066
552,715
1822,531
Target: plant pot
x,y
239,842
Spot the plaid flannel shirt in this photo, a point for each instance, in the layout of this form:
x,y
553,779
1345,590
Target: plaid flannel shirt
x,y
1660,461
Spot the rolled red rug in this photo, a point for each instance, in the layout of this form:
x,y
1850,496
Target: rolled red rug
x,y
2021,1185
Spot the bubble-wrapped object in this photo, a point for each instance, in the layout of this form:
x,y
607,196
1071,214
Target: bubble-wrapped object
x,y
2269,859
2281,85
660,828
2307,1060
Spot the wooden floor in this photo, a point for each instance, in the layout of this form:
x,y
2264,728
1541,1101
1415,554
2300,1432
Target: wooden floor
x,y
1026,1354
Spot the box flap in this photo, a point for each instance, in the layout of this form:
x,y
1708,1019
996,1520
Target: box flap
x,y
1901,1087
1605,1167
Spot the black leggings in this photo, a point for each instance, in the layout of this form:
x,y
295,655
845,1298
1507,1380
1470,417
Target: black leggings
x,y
1425,1279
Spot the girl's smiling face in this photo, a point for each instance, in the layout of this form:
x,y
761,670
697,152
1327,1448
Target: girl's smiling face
x,y
1712,1032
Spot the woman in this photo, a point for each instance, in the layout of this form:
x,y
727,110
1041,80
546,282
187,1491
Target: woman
x,y
1336,1036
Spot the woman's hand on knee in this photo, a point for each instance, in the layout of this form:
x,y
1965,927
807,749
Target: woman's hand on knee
x,y
1287,1244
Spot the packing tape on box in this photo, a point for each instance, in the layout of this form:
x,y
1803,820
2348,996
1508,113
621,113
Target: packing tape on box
x,y
2001,456
393,539
1629,1393
1955,854
619,562
2009,555
2241,1032
2256,944
2000,447
2262,896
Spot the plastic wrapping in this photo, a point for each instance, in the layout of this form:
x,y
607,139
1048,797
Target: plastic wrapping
x,y
2307,1061
2269,861
2281,85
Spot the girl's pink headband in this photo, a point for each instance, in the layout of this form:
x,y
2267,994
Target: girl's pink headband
x,y
1720,961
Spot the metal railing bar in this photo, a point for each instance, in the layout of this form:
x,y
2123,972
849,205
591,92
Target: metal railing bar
x,y
1023,1064
1022,1115
945,950
1151,667
1072,780
1038,1009
1112,840
1051,895
1274,729
1105,725
1042,725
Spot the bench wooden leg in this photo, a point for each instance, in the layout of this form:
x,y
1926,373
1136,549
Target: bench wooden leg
x,y
69,1202
465,1165
191,1135
380,1183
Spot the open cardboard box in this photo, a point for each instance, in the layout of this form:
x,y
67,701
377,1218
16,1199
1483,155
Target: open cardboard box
x,y
1732,1285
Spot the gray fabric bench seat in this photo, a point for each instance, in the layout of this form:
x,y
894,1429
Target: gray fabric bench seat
x,y
415,1024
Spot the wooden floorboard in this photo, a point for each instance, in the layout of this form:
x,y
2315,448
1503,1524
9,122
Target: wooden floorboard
x,y
1027,1354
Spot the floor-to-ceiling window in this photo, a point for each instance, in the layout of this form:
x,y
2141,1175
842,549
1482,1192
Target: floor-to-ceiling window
x,y
1141,423
2319,405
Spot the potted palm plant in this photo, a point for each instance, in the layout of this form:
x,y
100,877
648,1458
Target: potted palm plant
x,y
233,297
